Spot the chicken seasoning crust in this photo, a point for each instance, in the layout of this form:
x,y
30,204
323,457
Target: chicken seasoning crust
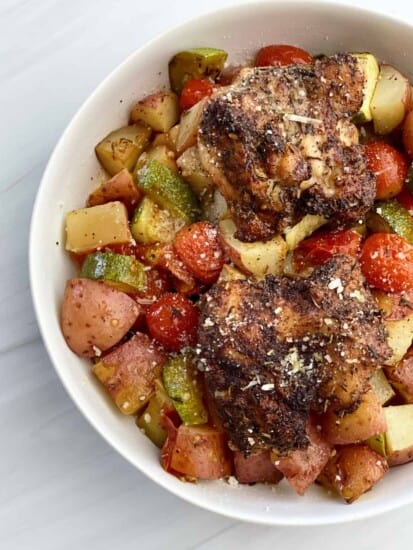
x,y
277,350
279,143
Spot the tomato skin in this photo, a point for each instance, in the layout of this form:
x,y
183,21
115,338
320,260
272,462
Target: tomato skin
x,y
386,261
408,134
318,249
278,55
198,247
195,90
390,167
405,198
173,321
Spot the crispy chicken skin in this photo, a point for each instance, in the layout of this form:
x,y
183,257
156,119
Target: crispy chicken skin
x,y
277,350
279,144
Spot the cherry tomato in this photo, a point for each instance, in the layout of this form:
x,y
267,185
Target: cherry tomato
x,y
408,134
387,262
405,198
194,91
318,249
282,54
173,321
198,247
390,167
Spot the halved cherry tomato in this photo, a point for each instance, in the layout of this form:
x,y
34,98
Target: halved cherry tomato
x,y
387,262
408,134
173,321
198,247
390,167
195,90
405,198
282,54
318,249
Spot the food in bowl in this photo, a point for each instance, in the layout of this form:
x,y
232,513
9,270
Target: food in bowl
x,y
244,283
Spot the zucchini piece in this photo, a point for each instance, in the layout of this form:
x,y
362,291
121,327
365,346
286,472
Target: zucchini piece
x,y
181,384
195,63
378,443
122,147
149,421
151,224
92,228
391,217
168,190
123,272
370,67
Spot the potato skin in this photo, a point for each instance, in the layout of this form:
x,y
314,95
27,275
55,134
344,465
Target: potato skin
x,y
353,470
95,316
128,373
256,468
367,420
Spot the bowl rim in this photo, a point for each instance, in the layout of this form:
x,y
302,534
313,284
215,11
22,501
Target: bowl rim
x,y
40,312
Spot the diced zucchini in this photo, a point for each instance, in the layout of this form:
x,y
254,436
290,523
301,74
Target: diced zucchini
x,y
181,384
152,224
160,111
121,148
149,421
193,172
89,229
123,272
168,190
370,67
378,443
391,217
195,63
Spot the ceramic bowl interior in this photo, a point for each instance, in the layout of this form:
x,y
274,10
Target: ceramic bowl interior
x,y
316,27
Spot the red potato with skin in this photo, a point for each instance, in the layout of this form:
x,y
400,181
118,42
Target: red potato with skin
x,y
258,258
95,316
195,452
408,134
353,470
256,468
128,373
401,377
302,467
119,188
367,420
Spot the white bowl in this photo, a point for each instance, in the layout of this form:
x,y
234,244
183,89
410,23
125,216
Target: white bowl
x,y
315,26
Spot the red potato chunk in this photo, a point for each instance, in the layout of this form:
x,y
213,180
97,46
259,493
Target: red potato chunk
x,y
256,468
302,467
195,452
119,188
401,377
129,372
353,470
367,420
95,316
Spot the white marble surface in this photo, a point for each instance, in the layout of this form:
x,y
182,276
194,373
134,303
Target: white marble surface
x,y
62,486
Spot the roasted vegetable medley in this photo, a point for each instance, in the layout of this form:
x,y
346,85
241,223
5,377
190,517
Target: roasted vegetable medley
x,y
245,271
